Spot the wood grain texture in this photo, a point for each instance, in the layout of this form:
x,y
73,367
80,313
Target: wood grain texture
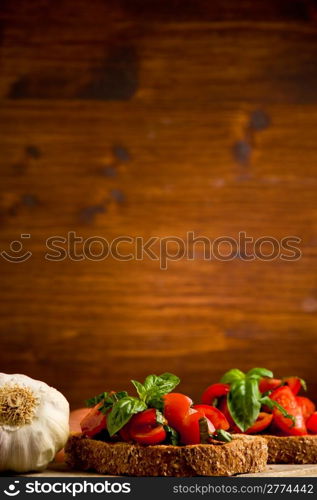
x,y
154,119
281,470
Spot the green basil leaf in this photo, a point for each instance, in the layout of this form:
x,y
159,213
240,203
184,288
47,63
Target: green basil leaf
x,y
156,402
259,373
110,400
119,395
122,411
154,387
161,383
221,435
96,399
107,399
232,376
244,402
140,389
160,418
170,379
172,436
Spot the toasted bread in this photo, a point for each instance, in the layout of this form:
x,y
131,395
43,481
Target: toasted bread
x,y
292,449
243,454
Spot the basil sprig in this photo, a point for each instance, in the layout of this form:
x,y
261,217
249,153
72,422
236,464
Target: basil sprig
x,y
107,399
245,399
221,435
123,406
154,387
122,411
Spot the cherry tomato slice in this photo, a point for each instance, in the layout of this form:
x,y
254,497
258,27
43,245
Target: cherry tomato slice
x,y
307,406
147,435
261,423
146,417
214,391
176,407
94,422
312,423
124,432
269,384
294,384
190,431
144,429
215,416
285,397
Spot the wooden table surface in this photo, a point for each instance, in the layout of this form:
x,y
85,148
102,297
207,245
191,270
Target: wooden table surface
x,y
281,470
150,119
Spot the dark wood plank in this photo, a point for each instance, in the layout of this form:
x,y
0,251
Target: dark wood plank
x,y
122,119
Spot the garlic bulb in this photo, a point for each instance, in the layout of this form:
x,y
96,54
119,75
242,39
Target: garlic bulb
x,y
33,423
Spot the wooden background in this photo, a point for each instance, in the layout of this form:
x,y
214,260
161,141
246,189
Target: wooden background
x,y
154,118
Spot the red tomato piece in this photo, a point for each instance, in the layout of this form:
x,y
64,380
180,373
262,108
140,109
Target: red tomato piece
x,y
147,435
146,417
312,423
261,423
124,433
307,406
190,431
269,384
214,391
176,407
94,422
215,416
285,397
294,384
144,428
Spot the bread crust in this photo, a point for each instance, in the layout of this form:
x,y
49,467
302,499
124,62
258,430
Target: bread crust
x,y
243,454
292,449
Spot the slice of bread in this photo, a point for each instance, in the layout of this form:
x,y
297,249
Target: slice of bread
x,y
292,449
243,454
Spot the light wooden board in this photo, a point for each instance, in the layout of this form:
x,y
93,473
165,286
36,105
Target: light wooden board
x,y
281,470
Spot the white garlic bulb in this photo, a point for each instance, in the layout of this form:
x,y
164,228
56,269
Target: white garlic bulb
x,y
33,423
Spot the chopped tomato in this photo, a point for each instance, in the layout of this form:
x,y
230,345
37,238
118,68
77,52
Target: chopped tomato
x,y
285,397
293,383
312,423
261,423
148,435
269,384
124,432
146,417
94,422
144,428
215,416
307,406
176,407
213,392
190,431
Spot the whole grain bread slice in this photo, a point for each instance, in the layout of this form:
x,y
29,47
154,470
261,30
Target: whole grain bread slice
x,y
292,449
243,454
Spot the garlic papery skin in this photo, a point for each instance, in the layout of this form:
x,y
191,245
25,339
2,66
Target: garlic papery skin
x,y
34,423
